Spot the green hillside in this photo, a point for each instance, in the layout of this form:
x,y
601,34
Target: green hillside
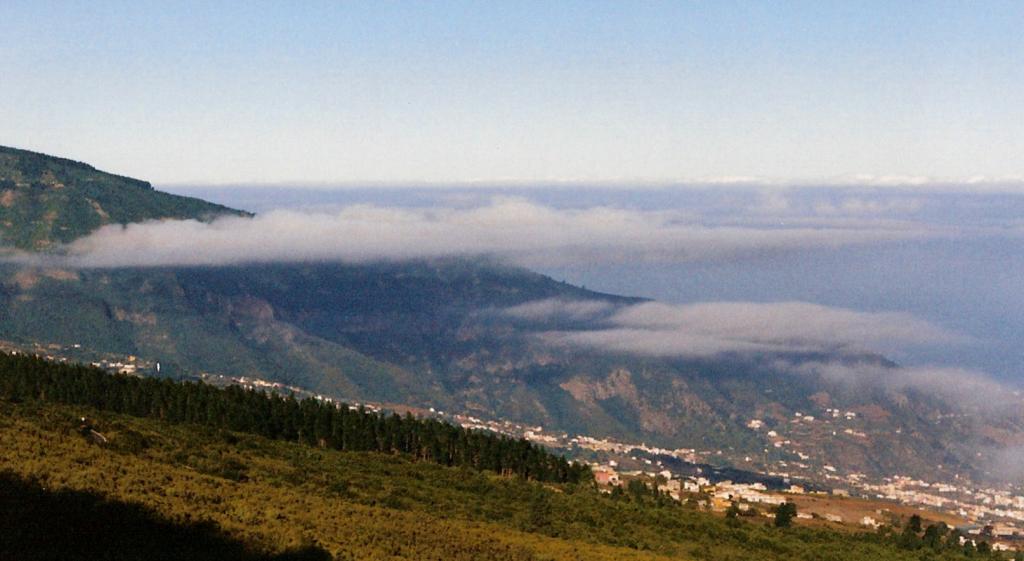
x,y
46,200
251,497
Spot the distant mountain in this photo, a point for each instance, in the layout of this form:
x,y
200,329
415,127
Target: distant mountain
x,y
436,333
371,332
45,200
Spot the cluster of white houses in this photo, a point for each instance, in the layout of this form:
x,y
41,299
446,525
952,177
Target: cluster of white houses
x,y
718,496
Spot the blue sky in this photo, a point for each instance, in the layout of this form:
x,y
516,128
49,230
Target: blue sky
x,y
447,92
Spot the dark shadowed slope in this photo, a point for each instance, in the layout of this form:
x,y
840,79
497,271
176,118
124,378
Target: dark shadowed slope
x,y
40,524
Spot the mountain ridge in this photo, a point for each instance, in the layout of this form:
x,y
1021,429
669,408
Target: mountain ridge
x,y
46,201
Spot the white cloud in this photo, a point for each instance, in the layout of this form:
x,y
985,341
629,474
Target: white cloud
x,y
716,328
922,183
656,342
866,206
1007,463
963,388
559,308
513,229
722,327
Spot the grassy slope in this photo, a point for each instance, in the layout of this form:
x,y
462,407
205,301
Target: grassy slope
x,y
278,496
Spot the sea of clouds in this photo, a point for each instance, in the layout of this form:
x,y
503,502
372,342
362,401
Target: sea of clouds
x,y
510,228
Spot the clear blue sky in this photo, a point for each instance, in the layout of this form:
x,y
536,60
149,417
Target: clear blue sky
x,y
214,92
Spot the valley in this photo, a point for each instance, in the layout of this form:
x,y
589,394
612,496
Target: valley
x,y
491,348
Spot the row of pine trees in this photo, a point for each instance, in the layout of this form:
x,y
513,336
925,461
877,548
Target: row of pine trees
x,y
308,421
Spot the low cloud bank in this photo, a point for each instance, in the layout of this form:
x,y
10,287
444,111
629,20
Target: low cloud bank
x,y
717,328
560,309
513,229
961,387
1007,463
708,329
